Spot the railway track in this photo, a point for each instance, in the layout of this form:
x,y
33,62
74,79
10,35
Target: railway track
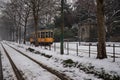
x,y
1,71
18,74
54,72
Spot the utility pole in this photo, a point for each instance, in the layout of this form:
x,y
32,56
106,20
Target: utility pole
x,y
62,27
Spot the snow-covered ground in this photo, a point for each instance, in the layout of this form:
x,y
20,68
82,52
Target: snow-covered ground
x,y
29,69
77,71
7,68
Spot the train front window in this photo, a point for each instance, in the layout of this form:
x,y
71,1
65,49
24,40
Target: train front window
x,y
39,34
47,34
42,35
51,33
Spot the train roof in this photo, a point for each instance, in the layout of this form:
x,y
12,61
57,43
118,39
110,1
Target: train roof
x,y
44,30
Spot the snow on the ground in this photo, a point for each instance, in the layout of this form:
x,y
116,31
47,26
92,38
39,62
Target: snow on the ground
x,y
55,62
74,73
7,68
29,69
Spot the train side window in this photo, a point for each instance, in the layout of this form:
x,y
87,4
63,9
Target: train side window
x,y
41,34
47,34
51,33
44,34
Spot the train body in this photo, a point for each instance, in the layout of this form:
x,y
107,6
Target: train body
x,y
44,37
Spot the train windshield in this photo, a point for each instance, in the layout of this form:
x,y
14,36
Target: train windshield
x,y
42,34
49,34
45,34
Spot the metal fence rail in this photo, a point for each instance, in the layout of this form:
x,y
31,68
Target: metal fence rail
x,y
113,54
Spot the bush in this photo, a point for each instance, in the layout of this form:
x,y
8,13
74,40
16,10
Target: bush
x,y
69,63
48,56
30,49
37,52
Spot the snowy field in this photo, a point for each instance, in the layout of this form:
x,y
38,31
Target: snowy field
x,y
82,66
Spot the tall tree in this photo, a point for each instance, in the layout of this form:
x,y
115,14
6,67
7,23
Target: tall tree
x,y
11,12
112,7
68,16
39,9
25,17
101,30
84,10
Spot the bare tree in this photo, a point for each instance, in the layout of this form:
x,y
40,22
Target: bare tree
x,y
21,11
10,12
26,16
18,11
39,8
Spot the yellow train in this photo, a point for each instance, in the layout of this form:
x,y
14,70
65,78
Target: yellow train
x,y
45,37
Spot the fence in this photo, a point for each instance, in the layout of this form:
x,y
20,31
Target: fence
x,y
112,54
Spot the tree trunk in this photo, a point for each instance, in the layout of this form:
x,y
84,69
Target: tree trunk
x,y
17,31
20,36
62,28
36,25
101,30
13,35
25,32
24,42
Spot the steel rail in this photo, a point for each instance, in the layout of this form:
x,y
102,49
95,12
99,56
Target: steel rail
x,y
51,70
15,69
1,71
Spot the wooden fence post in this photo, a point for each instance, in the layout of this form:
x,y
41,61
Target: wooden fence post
x,y
67,48
49,47
113,52
89,48
77,48
54,46
64,44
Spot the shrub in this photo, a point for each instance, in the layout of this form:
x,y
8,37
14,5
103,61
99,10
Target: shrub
x,y
69,63
30,49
